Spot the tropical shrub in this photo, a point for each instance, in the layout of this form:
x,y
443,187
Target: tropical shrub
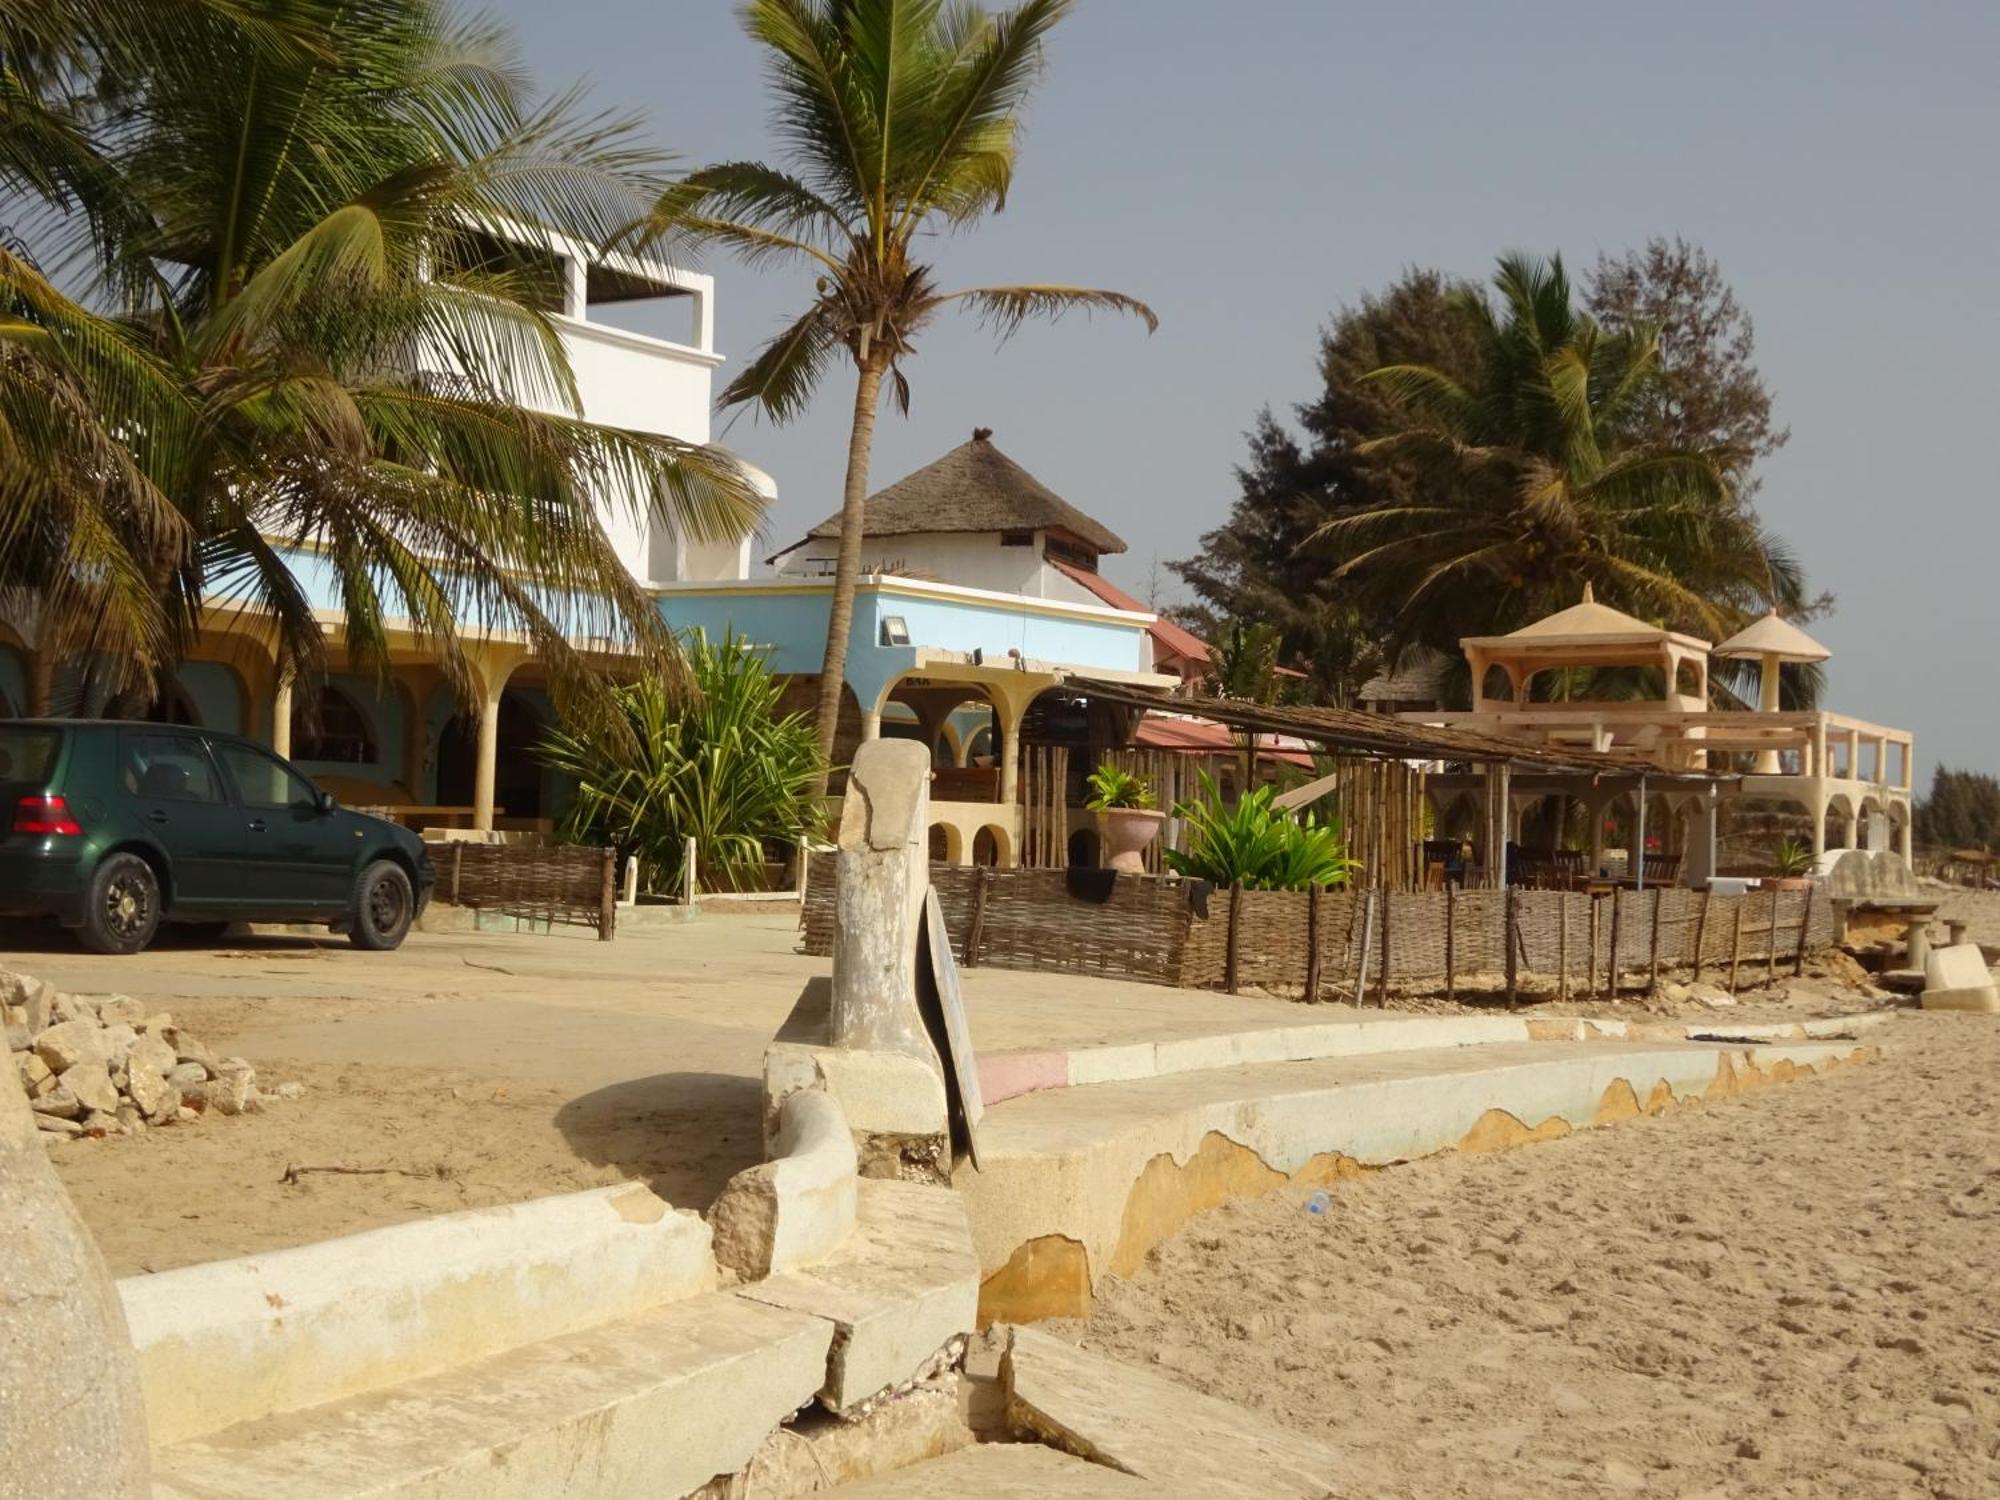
x,y
726,769
1257,846
1792,857
1112,787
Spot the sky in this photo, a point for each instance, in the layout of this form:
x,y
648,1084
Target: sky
x,y
1249,167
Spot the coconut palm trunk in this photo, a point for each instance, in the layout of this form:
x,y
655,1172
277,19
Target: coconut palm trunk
x,y
902,118
847,562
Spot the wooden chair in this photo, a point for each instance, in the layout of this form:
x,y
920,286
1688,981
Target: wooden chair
x,y
1663,869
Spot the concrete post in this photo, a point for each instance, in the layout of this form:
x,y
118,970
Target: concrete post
x,y
1817,807
882,870
73,1424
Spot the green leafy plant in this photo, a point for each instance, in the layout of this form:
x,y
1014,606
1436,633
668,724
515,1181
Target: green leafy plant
x,y
1257,846
1111,787
726,769
1793,857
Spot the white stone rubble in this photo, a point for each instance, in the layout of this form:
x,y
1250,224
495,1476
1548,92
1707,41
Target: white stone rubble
x,y
98,1065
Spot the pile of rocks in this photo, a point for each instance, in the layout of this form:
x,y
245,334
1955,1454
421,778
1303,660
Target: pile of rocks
x,y
98,1065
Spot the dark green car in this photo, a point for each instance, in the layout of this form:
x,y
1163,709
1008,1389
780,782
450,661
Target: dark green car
x,y
113,827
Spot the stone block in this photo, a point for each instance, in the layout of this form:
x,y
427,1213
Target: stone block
x,y
1956,978
31,997
151,1055
903,1287
1136,1421
58,1102
118,1040
231,1341
233,1088
67,1043
33,1072
798,1208
117,1010
90,1082
1007,1471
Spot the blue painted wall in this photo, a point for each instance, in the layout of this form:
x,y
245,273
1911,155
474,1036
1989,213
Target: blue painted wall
x,y
790,621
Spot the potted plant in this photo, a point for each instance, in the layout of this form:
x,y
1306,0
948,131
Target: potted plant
x,y
1127,821
1793,860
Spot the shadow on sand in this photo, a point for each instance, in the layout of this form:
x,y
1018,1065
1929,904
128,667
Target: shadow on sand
x,y
684,1134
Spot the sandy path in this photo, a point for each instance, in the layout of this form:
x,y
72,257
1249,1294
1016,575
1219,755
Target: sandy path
x,y
1788,1294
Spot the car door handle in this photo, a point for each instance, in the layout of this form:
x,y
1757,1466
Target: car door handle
x,y
256,825
158,815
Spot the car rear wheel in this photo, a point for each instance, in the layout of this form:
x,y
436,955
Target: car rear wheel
x,y
384,907
122,910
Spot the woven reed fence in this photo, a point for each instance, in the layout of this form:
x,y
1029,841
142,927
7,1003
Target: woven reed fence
x,y
1354,945
553,883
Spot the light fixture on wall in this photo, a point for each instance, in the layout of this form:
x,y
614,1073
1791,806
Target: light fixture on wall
x,y
895,631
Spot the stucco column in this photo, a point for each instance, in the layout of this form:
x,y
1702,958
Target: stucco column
x,y
871,725
488,762
281,713
416,738
1853,755
882,871
1817,806
1594,807
1903,836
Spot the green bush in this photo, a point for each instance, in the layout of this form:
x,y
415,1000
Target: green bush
x,y
726,770
1110,787
1258,847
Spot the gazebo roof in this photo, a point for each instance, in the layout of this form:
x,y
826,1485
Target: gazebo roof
x,y
1585,624
1774,636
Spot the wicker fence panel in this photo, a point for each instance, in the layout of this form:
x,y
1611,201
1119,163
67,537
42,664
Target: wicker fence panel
x,y
554,882
1562,940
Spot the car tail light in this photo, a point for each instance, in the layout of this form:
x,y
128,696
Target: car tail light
x,y
45,815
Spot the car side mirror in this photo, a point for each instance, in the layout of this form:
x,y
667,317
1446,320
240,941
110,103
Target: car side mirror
x,y
323,803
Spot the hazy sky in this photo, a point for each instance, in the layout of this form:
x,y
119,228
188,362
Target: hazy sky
x,y
1248,166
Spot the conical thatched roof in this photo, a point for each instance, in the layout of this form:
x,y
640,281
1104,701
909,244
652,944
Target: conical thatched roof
x,y
1774,636
975,487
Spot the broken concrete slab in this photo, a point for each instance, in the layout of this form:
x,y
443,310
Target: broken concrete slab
x,y
1957,978
1145,1425
1003,1471
1081,1183
900,1290
798,1208
654,1405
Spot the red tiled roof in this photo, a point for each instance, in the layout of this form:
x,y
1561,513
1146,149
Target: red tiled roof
x,y
1203,737
1174,640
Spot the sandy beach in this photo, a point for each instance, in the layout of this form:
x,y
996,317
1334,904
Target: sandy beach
x,y
1786,1294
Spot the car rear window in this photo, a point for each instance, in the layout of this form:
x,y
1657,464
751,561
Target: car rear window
x,y
27,754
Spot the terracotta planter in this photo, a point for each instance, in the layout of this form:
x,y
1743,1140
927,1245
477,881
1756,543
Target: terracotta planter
x,y
1791,883
1123,834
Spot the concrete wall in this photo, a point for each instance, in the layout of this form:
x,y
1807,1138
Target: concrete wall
x,y
234,1340
971,559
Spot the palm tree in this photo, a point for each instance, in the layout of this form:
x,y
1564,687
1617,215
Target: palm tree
x,y
900,120
329,282
1533,490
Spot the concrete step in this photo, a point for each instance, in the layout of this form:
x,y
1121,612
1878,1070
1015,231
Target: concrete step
x,y
1178,1440
1080,1182
1003,1471
903,1286
653,1405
